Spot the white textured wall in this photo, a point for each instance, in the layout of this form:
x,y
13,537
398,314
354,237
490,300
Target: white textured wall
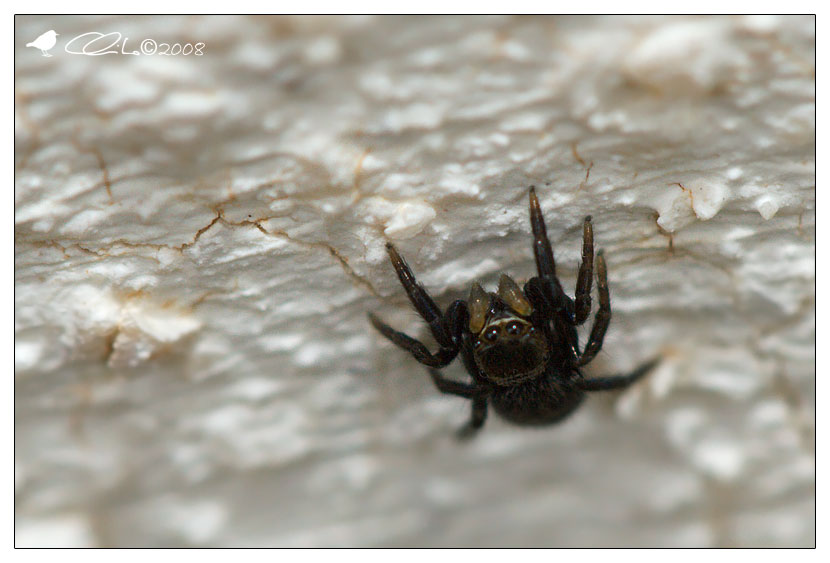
x,y
198,239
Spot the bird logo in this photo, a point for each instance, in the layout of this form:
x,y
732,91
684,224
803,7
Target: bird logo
x,y
45,42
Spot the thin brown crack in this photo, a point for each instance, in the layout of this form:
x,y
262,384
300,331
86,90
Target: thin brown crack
x,y
102,164
576,154
105,173
343,261
200,232
588,166
688,191
584,182
104,251
55,244
664,232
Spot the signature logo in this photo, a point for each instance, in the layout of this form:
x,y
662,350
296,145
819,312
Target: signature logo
x,y
96,44
45,42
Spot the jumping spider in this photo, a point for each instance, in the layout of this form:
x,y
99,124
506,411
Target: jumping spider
x,y
519,346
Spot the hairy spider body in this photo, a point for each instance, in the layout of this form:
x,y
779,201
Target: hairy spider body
x,y
539,401
519,345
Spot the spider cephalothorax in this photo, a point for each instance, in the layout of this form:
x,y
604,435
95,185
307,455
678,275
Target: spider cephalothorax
x,y
507,348
519,345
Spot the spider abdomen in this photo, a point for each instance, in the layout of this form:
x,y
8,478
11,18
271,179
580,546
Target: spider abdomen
x,y
536,402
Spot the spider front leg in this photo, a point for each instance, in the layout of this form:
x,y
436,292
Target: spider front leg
x,y
421,300
440,359
559,307
542,251
586,272
445,328
603,316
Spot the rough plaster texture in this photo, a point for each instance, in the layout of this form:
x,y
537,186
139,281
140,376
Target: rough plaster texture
x,y
198,239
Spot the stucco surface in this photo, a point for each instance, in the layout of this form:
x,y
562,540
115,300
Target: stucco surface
x,y
198,240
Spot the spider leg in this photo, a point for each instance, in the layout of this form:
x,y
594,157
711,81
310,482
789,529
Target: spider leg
x,y
474,391
542,250
452,387
458,388
619,381
586,272
440,359
558,308
477,418
603,316
421,300
546,310
446,329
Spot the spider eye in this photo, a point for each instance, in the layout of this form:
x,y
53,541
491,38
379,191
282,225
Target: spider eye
x,y
513,328
491,334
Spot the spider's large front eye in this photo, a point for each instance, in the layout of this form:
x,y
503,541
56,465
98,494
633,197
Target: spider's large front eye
x,y
491,334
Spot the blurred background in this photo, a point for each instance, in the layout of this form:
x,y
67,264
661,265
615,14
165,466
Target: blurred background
x,y
201,205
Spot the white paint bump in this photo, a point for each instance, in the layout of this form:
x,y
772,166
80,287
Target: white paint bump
x,y
708,196
686,56
409,219
145,327
674,209
767,207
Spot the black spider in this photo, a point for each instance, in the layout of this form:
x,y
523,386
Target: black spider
x,y
520,347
